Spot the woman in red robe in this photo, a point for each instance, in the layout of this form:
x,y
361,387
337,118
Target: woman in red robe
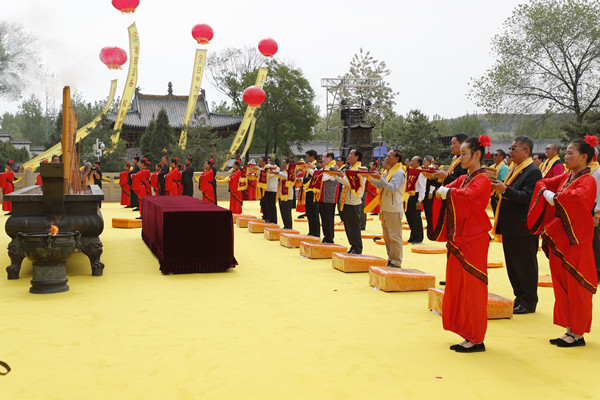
x,y
6,180
140,183
371,190
173,179
461,220
561,210
154,179
125,188
235,195
206,177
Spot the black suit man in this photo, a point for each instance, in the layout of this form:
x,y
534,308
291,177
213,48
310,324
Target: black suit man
x,y
520,248
135,203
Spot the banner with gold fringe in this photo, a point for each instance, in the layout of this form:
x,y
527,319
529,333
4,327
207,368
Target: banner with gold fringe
x,y
248,117
130,84
199,63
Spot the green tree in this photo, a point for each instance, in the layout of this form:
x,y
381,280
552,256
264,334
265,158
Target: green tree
x,y
468,124
229,72
381,98
414,135
159,136
113,157
18,60
548,58
544,126
288,115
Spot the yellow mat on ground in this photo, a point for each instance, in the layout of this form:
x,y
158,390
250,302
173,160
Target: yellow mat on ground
x,y
276,327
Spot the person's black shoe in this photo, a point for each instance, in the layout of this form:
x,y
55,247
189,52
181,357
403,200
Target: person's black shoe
x,y
138,217
415,242
392,265
128,206
455,346
521,309
443,283
576,343
136,209
473,349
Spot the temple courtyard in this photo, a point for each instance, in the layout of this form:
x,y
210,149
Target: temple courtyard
x,y
278,326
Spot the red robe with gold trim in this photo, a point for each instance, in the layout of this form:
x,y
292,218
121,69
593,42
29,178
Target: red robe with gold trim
x,y
125,188
235,196
208,192
154,182
140,183
567,231
462,221
6,183
172,182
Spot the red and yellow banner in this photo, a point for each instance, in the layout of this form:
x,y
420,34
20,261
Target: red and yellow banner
x,y
199,63
81,133
247,120
130,84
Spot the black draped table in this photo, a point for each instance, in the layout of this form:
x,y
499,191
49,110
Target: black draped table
x,y
188,235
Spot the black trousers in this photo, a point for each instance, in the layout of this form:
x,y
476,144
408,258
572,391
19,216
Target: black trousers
x,y
135,201
312,213
520,254
327,213
363,216
285,208
494,203
413,217
352,226
269,207
596,247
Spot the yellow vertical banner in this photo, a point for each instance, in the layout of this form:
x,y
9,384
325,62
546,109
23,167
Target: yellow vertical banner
x,y
81,133
249,140
130,84
199,63
248,117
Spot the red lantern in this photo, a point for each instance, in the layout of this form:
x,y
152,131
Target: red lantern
x,y
254,96
203,33
126,6
268,47
113,57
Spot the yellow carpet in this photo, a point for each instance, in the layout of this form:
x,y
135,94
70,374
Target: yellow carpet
x,y
277,327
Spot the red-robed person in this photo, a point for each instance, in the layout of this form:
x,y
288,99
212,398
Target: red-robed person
x,y
173,179
235,195
6,183
38,178
461,220
140,182
370,189
154,179
206,177
125,188
250,193
561,210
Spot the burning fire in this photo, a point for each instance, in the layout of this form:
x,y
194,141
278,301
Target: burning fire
x,y
53,230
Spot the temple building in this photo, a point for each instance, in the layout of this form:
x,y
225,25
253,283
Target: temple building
x,y
145,107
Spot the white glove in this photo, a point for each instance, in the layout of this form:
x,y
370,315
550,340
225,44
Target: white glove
x,y
443,191
549,196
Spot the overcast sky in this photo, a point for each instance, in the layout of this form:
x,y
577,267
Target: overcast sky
x,y
432,47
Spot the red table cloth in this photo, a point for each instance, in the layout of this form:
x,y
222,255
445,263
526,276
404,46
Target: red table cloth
x,y
188,235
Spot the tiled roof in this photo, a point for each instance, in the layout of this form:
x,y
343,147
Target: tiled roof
x,y
145,107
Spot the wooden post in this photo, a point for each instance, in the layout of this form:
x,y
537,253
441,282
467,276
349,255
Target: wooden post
x,y
64,138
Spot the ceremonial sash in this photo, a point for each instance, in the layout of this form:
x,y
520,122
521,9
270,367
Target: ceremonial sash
x,y
512,175
316,183
354,180
262,184
593,166
283,191
453,164
547,165
243,182
375,202
291,173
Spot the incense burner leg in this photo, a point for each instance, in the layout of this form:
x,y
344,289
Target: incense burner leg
x,y
92,247
16,254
